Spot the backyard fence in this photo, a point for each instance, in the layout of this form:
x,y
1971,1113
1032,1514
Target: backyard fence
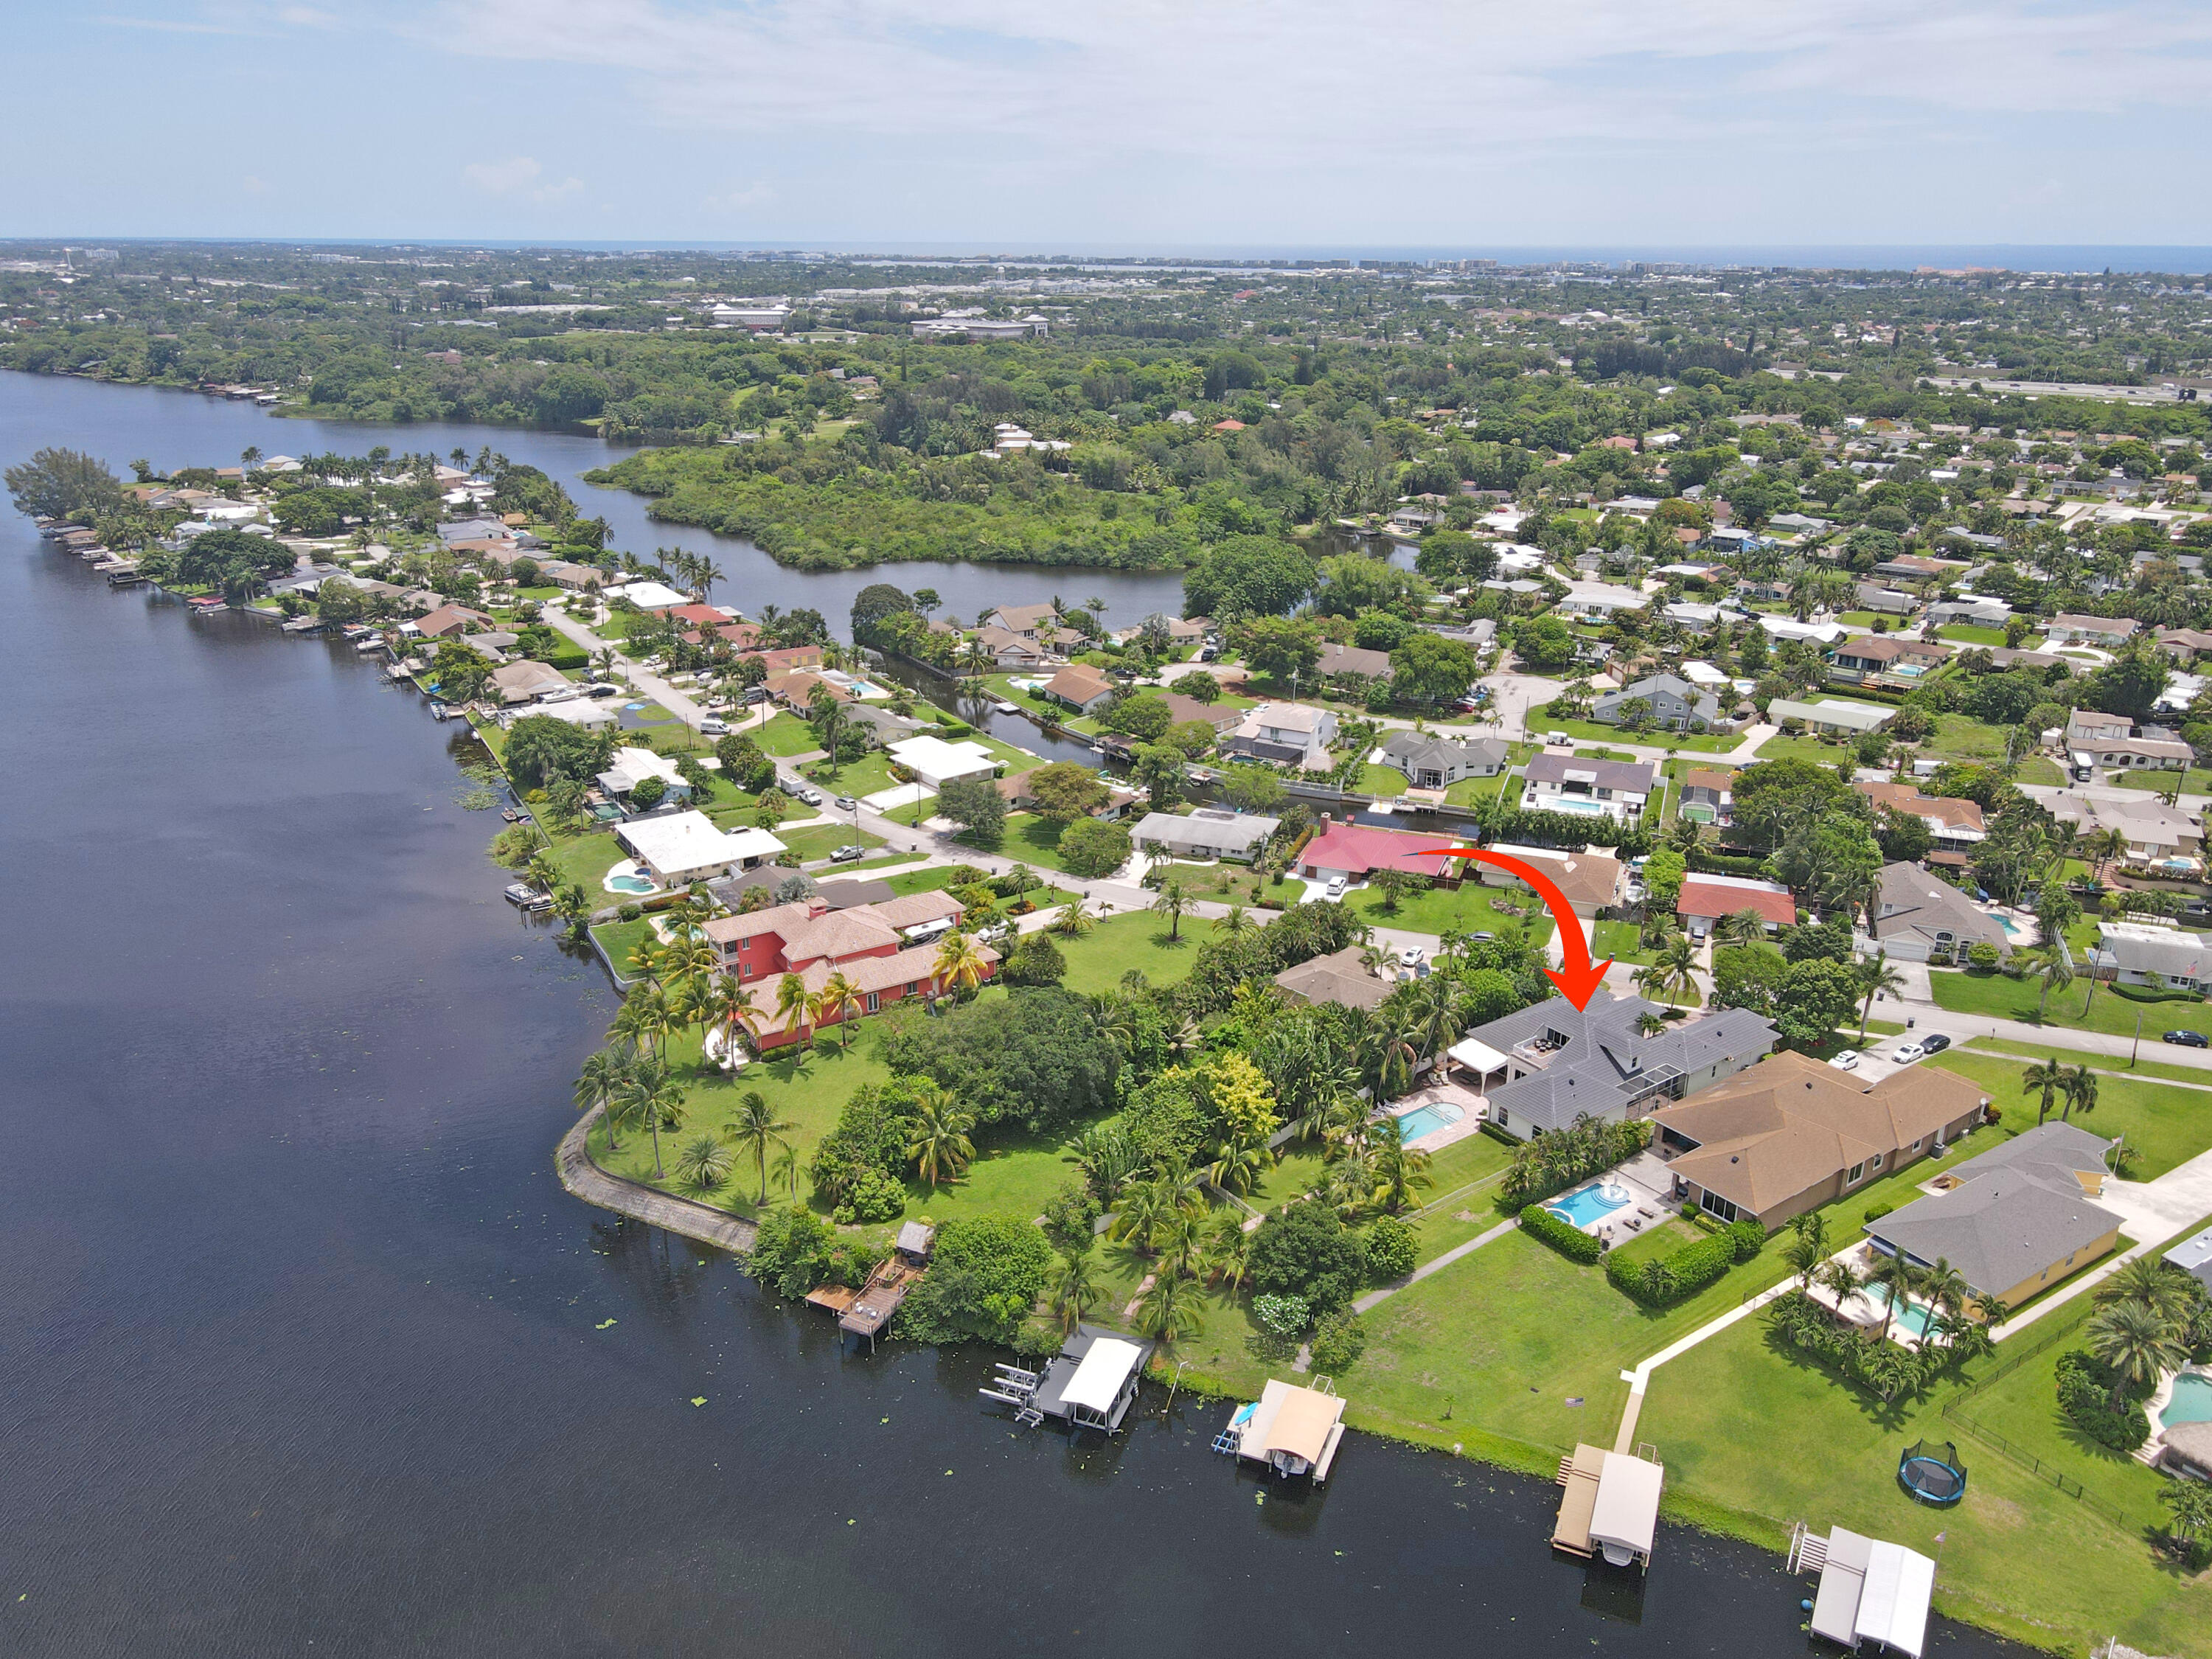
x,y
2012,1452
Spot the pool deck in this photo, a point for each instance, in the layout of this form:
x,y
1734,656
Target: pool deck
x,y
1471,1105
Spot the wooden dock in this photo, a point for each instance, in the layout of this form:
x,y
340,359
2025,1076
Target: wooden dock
x,y
872,1309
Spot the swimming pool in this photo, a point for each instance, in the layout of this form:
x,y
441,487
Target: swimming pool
x,y
1427,1120
2191,1401
1581,806
1592,1203
1912,1316
2011,928
629,884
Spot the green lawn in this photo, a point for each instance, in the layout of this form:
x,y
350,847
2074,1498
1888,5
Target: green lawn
x,y
620,938
2197,780
1468,791
2112,1010
1385,781
1586,731
585,859
819,840
1960,736
2167,1126
1755,1436
1967,634
2011,1049
1096,961
1621,940
1033,840
864,776
1471,908
1819,751
785,736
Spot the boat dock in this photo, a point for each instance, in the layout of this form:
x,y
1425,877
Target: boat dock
x,y
1611,1505
1289,1430
866,1311
1090,1383
1871,1590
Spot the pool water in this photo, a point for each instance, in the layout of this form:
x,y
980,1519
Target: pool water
x,y
1425,1120
2011,928
1578,805
630,884
1587,1204
1912,1316
2191,1401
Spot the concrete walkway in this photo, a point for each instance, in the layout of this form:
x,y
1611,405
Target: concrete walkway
x,y
1375,1297
700,1223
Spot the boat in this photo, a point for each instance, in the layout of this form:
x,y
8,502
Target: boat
x,y
1004,709
373,642
438,711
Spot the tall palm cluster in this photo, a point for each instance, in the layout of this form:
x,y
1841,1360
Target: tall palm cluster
x,y
696,572
1957,1319
2149,1318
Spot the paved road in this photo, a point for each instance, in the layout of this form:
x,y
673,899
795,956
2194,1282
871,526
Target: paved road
x,y
679,704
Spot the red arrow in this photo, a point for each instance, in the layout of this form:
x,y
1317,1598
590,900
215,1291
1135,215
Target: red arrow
x,y
1579,978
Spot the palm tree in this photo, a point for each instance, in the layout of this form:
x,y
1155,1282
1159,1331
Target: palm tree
x,y
1945,1287
2049,1078
2149,1280
755,1129
1741,927
1839,1279
959,965
2050,965
1672,974
2192,1503
1809,1249
2137,1342
840,997
1650,1025
1399,1171
2080,1087
1877,978
1173,901
1229,1251
1073,1290
1073,920
600,1078
1235,922
729,1005
938,1143
1169,1311
651,1093
704,1163
793,1005
1897,1277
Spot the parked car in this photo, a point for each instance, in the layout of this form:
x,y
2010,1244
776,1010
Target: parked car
x,y
1934,1043
1848,1060
602,689
1336,886
1411,956
2189,1039
846,804
1905,1053
846,854
811,796
712,727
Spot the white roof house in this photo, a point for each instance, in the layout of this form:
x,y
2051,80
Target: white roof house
x,y
1787,628
577,711
650,595
629,767
935,763
686,847
1832,714
1600,600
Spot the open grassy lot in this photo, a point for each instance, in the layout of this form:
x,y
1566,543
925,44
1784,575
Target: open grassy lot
x,y
1704,743
2112,1009
864,776
1968,634
817,840
1755,1435
1387,782
785,736
1030,838
1471,908
2167,1126
585,859
2197,780
1096,961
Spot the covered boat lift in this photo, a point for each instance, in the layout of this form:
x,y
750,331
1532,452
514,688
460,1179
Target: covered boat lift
x,y
1290,1429
1871,1590
1090,1383
1610,1506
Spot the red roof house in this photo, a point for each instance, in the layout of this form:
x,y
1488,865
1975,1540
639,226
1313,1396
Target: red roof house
x,y
1706,899
1356,851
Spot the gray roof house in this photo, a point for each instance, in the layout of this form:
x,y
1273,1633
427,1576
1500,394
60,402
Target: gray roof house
x,y
1542,1066
1557,782
1919,917
1430,760
1675,702
2019,1219
1204,834
2132,952
2194,1256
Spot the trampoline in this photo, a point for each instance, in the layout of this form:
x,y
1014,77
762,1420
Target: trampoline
x,y
1931,1472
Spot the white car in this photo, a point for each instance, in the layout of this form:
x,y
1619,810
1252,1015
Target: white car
x,y
1848,1060
1906,1052
1336,887
1411,956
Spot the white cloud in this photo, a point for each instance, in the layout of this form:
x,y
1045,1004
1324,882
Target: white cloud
x,y
502,178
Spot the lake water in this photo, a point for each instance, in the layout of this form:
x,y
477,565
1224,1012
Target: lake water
x,y
304,1349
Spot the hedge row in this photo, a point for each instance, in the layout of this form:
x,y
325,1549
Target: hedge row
x,y
1662,1282
1704,861
1570,1241
2085,1386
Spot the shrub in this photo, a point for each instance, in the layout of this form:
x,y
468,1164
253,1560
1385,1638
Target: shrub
x,y
1750,1238
1306,1251
629,912
871,1195
791,1250
1034,960
1091,847
1286,1316
1338,1342
1390,1249
1876,1211
984,1277
1570,1241
1071,1218
1039,1056
1983,955
1663,1281
2085,1395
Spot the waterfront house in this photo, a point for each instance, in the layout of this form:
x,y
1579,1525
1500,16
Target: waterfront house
x,y
677,848
2015,1220
1288,733
525,681
446,621
1351,661
1561,782
1080,687
1008,649
1790,1134
1541,1067
935,763
2154,832
1430,760
889,952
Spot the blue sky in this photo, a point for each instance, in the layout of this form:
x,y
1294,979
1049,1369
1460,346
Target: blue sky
x,y
1485,123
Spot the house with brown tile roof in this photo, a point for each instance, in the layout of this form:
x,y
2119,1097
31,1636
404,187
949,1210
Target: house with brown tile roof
x,y
1790,1134
1956,824
1081,687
